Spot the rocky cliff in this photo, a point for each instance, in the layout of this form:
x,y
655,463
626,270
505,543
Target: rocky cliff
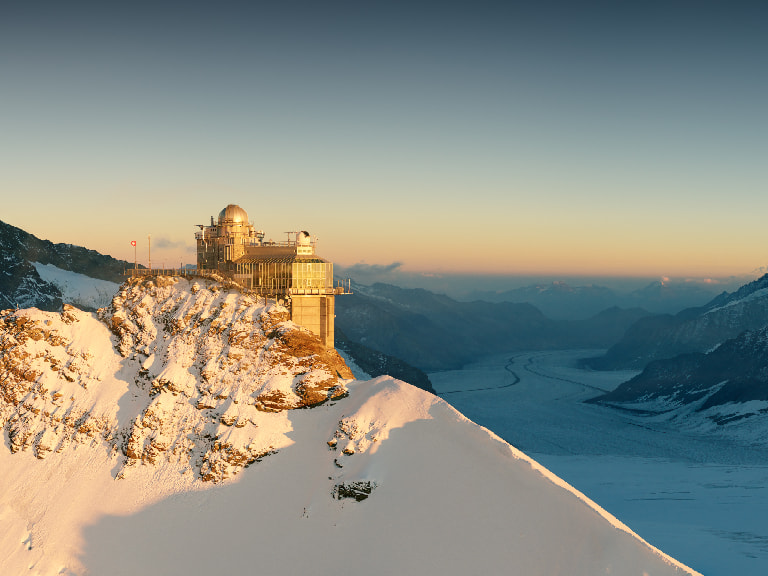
x,y
188,374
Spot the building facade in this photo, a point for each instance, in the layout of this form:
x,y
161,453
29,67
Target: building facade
x,y
290,270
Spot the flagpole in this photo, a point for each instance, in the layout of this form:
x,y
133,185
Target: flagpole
x,y
149,248
135,258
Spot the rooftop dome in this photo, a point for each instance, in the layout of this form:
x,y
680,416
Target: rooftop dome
x,y
233,213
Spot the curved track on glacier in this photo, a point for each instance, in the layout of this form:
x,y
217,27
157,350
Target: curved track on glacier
x,y
535,401
507,368
528,367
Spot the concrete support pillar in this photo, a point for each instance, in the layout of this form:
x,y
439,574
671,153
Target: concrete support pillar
x,y
315,313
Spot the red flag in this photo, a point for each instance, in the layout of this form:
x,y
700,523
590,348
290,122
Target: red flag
x,y
133,242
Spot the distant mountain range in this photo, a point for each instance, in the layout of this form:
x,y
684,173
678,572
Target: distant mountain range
x,y
692,330
704,367
560,300
435,332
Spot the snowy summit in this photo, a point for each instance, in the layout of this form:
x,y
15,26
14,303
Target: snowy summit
x,y
189,428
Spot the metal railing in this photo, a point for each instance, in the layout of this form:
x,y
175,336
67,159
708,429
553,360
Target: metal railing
x,y
340,289
158,272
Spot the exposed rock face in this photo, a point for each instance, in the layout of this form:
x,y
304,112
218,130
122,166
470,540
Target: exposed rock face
x,y
358,490
190,371
692,330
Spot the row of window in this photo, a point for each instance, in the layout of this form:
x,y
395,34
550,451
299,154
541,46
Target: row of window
x,y
283,275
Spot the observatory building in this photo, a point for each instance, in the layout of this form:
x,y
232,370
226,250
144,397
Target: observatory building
x,y
290,269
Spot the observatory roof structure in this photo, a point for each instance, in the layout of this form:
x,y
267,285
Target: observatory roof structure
x,y
233,213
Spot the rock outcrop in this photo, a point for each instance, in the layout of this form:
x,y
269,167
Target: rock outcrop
x,y
190,371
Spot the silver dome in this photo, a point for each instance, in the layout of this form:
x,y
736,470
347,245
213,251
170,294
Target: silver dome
x,y
233,214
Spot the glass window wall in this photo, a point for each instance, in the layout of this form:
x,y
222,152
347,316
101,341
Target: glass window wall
x,y
312,275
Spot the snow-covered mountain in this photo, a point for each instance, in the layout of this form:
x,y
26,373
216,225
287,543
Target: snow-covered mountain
x,y
705,370
692,330
127,436
45,275
725,390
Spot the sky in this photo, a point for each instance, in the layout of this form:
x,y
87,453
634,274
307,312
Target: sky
x,y
539,138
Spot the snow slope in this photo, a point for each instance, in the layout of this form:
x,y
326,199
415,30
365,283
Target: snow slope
x,y
78,289
145,466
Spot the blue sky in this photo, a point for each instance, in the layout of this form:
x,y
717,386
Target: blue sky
x,y
608,138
